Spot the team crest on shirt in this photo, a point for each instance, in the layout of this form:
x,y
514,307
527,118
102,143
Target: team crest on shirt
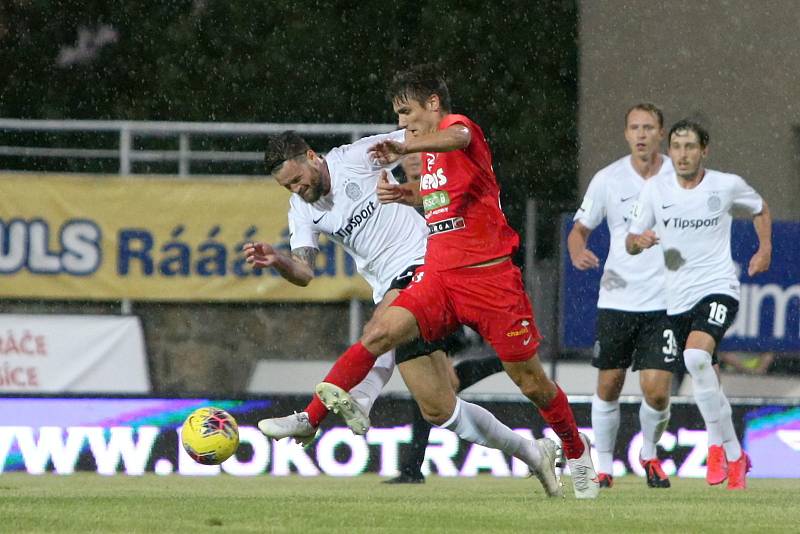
x,y
352,191
714,202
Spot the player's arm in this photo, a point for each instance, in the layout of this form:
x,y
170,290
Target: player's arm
x,y
297,267
636,243
762,222
582,258
407,193
454,137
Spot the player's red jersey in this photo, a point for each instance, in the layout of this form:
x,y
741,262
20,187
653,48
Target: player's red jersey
x,y
461,199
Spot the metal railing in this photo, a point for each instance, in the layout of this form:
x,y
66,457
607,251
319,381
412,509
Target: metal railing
x,y
129,131
127,154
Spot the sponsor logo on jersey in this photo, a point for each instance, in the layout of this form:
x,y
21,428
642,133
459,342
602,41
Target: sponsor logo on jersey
x,y
435,200
356,220
432,180
693,224
523,330
431,160
447,225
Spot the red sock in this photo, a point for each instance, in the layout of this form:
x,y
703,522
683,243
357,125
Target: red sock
x,y
348,371
559,416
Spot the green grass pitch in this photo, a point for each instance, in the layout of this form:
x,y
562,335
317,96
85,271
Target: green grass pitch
x,y
93,503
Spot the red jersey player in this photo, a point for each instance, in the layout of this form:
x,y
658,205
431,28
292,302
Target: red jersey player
x,y
468,278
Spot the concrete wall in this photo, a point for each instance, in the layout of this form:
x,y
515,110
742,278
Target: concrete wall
x,y
734,64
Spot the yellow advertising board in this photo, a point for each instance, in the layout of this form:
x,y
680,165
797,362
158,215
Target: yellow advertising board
x,y
105,237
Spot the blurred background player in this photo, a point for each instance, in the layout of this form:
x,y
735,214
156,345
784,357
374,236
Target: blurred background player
x,y
691,213
632,324
387,243
464,373
468,278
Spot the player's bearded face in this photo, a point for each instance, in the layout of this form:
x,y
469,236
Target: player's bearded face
x,y
686,154
302,177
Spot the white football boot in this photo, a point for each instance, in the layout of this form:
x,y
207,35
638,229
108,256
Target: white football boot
x,y
339,401
550,454
584,477
294,426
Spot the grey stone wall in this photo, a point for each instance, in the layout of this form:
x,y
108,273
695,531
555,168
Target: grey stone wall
x,y
732,64
212,348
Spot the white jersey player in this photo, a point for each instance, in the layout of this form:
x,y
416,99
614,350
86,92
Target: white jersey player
x,y
689,214
337,196
632,326
382,239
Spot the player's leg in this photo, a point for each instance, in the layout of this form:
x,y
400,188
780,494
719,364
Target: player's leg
x,y
605,421
427,379
383,332
613,354
492,300
711,317
656,360
411,467
654,413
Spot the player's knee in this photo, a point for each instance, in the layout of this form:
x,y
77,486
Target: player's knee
x,y
378,335
435,414
657,400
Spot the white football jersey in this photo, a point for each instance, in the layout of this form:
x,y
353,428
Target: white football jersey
x,y
694,226
383,239
629,283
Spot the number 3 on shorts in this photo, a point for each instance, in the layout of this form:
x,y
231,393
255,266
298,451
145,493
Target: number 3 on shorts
x,y
670,348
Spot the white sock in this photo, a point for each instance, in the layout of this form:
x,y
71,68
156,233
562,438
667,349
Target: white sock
x,y
730,441
605,424
477,425
653,424
366,391
706,391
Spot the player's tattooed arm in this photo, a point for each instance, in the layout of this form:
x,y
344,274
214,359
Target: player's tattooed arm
x,y
301,271
305,255
297,267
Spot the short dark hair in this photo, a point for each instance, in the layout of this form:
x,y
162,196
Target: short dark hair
x,y
419,83
648,107
282,147
692,126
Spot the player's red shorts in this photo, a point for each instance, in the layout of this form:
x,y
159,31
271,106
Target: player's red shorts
x,y
490,300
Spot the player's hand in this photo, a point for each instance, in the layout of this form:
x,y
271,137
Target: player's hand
x,y
387,152
646,239
759,263
585,260
389,192
260,255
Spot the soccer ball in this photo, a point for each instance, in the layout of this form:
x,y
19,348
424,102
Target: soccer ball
x,y
210,435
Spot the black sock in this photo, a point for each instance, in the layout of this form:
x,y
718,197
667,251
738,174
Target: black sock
x,y
472,371
420,432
